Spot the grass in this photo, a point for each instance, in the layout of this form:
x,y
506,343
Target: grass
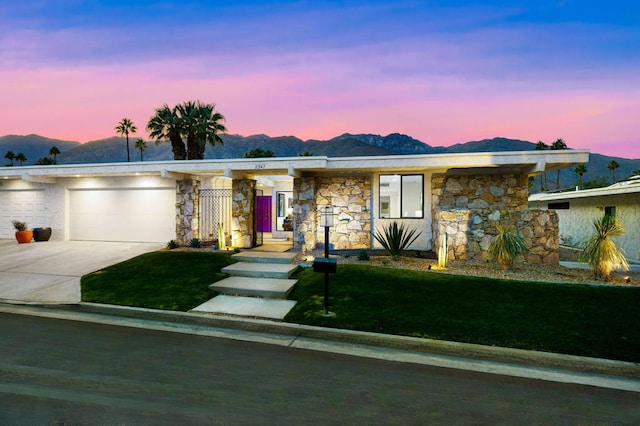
x,y
168,280
595,321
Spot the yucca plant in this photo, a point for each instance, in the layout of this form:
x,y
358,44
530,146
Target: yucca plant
x,y
396,238
505,247
601,252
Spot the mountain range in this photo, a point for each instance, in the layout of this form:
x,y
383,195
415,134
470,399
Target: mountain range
x,y
113,149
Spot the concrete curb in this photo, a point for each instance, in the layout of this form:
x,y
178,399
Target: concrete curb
x,y
420,345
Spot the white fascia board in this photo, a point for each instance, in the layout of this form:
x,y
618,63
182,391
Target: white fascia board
x,y
586,193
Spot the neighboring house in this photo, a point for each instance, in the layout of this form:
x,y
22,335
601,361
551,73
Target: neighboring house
x,y
460,196
577,210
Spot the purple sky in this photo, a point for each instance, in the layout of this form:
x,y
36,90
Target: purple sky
x,y
443,72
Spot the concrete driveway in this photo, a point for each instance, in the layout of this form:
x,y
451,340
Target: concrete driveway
x,y
50,271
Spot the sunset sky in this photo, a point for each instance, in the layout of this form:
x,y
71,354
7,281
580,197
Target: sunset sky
x,y
443,72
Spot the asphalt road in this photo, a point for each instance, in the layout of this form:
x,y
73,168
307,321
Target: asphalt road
x,y
64,372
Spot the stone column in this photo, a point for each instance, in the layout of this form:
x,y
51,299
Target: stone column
x,y
243,211
187,211
304,214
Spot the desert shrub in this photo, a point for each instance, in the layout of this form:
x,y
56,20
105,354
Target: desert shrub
x,y
363,255
195,243
505,247
172,245
396,238
601,252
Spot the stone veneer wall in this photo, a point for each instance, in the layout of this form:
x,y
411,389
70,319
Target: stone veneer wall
x,y
304,214
242,211
187,211
468,209
350,198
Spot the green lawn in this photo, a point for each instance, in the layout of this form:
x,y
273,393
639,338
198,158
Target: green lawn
x,y
170,280
597,321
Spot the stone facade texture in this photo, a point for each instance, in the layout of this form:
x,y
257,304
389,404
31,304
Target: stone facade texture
x,y
187,214
350,198
242,212
468,209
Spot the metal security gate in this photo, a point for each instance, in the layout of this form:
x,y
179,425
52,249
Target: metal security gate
x,y
215,208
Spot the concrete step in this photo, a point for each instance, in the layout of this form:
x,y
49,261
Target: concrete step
x,y
247,306
263,257
260,270
273,288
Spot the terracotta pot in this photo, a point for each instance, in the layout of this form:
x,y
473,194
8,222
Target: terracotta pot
x,y
41,234
24,237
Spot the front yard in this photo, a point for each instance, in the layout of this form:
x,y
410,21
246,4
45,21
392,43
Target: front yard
x,y
596,321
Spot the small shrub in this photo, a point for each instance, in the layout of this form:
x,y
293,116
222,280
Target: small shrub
x,y
20,226
601,252
505,247
172,245
363,255
195,243
396,238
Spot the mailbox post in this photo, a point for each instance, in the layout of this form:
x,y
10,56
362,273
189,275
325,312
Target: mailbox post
x,y
326,265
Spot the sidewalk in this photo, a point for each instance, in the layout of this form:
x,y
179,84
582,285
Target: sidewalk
x,y
485,359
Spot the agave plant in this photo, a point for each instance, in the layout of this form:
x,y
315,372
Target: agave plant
x,y
396,238
601,252
505,247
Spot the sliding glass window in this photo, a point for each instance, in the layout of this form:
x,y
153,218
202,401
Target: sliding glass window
x,y
401,196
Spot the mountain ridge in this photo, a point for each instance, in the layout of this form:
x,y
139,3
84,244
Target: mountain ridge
x,y
113,149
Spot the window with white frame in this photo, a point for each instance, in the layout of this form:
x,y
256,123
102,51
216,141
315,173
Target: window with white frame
x,y
401,196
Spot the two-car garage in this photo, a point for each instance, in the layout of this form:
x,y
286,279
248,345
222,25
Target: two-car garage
x,y
122,214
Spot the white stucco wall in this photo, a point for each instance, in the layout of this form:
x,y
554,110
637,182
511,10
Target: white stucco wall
x,y
378,224
576,223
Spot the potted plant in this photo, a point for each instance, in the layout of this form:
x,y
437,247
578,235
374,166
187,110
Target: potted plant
x,y
23,235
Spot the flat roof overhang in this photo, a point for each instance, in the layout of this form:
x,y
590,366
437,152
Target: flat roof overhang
x,y
528,162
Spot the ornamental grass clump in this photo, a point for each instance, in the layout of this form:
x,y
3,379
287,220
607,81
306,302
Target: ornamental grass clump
x,y
601,252
505,247
396,238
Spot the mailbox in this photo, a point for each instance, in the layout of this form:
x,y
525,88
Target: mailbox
x,y
325,265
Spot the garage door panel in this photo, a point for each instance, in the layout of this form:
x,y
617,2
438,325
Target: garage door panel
x,y
122,215
23,205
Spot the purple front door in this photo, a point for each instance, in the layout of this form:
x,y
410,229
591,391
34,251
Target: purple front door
x,y
263,213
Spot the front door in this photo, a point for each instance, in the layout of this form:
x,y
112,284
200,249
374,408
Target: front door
x,y
263,213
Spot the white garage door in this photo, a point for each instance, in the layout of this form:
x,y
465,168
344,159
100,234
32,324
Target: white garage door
x,y
137,215
23,205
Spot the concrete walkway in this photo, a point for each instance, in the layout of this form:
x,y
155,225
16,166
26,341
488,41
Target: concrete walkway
x,y
50,271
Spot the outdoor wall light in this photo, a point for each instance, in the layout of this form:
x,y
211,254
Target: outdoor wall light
x,y
326,216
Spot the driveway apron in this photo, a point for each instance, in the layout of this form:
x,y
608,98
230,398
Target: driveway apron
x,y
50,271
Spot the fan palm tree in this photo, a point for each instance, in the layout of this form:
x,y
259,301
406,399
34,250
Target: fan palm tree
x,y
141,146
124,127
201,124
612,166
541,146
580,170
166,125
559,144
21,158
10,155
636,172
54,151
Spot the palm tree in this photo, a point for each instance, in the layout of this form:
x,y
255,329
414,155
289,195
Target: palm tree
x,y
636,172
124,127
580,170
559,144
200,125
541,146
165,124
10,155
613,165
21,158
141,146
54,151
